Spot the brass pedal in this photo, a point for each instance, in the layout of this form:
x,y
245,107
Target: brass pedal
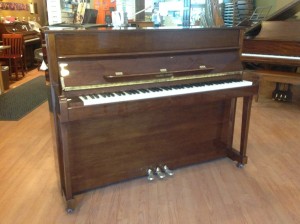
x,y
159,173
168,171
150,174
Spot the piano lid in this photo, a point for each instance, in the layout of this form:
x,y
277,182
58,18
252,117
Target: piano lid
x,y
282,14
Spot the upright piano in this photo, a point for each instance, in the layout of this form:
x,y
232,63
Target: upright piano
x,y
32,39
133,102
271,49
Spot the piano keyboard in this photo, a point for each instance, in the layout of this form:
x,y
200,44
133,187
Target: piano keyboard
x,y
156,92
271,56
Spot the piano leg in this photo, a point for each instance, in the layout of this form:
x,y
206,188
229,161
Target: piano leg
x,y
70,204
240,156
64,161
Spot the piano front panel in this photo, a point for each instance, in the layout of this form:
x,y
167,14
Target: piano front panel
x,y
123,146
111,42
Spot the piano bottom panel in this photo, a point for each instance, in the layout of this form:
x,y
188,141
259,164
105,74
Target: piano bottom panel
x,y
104,151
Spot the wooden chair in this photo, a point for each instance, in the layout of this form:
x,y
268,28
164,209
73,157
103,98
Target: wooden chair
x,y
14,55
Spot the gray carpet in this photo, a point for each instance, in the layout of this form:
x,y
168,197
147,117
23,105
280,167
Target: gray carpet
x,y
20,101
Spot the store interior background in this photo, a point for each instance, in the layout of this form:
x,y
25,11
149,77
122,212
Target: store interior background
x,y
173,8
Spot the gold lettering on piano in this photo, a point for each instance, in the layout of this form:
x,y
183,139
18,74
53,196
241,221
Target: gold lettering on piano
x,y
164,75
118,73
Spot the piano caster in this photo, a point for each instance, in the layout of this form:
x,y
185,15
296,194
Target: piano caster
x,y
159,173
70,206
168,171
240,165
150,173
69,210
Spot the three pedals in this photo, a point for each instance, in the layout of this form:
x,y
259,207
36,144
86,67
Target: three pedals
x,y
160,172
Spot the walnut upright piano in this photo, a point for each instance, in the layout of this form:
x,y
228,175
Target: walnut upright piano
x,y
142,102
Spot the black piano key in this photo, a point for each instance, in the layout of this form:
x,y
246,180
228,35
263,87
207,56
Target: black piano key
x,y
158,89
120,93
104,95
135,92
189,86
143,90
178,87
129,92
166,87
152,89
155,89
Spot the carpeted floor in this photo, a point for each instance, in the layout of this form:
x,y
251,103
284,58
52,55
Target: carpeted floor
x,y
20,101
